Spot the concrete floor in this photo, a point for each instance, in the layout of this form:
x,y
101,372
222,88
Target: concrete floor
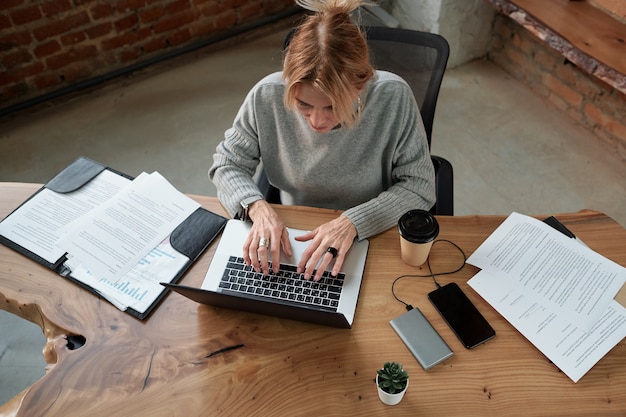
x,y
510,151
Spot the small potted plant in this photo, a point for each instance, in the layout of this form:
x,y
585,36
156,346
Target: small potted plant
x,y
392,381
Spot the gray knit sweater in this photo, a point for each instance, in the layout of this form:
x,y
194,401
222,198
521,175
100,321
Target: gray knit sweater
x,y
375,171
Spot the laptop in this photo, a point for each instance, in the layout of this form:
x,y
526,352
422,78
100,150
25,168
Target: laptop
x,y
229,283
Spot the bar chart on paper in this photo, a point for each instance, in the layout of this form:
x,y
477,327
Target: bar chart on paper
x,y
131,289
141,285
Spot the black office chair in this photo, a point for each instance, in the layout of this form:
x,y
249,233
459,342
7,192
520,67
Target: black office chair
x,y
420,58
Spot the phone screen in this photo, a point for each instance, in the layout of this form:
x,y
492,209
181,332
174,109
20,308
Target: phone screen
x,y
461,315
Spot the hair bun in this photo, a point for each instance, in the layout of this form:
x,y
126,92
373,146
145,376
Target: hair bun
x,y
321,6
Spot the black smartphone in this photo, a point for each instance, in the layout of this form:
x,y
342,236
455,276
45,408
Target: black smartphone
x,y
461,315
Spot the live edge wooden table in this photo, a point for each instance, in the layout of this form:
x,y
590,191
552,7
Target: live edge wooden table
x,y
175,362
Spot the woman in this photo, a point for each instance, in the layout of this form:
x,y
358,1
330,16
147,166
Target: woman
x,y
332,132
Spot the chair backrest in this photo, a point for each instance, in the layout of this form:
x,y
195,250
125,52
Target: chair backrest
x,y
418,57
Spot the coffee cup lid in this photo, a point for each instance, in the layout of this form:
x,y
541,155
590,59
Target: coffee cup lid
x,y
418,226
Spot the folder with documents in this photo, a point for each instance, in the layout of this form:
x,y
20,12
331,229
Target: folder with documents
x,y
115,236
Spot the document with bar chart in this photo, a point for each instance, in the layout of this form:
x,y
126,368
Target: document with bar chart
x,y
141,286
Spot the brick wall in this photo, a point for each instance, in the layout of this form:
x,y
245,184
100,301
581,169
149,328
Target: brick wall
x,y
586,99
46,45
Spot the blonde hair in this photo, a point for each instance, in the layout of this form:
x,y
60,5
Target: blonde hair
x,y
329,51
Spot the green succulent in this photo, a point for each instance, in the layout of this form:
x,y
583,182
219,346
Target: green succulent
x,y
392,377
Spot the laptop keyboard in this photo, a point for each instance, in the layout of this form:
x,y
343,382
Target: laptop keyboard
x,y
285,286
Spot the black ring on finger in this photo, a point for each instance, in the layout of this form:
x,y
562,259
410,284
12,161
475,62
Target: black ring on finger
x,y
332,251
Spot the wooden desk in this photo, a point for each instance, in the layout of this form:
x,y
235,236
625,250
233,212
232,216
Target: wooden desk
x,y
161,366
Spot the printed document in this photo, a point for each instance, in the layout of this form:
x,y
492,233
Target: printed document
x,y
113,238
566,276
557,292
40,221
141,286
571,349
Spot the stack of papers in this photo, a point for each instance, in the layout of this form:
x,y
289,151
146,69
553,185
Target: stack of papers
x,y
113,231
556,291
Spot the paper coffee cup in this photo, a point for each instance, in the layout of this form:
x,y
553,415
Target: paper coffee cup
x,y
418,230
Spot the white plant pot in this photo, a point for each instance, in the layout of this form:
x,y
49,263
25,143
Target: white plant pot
x,y
391,399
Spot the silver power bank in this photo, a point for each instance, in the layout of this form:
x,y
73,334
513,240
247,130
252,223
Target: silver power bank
x,y
421,338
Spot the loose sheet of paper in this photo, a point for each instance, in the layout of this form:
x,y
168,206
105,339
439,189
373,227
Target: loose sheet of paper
x,y
571,349
113,238
40,222
557,292
568,277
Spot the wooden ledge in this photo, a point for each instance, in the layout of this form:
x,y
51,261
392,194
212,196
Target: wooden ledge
x,y
586,36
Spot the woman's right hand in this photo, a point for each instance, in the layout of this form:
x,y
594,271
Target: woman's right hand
x,y
268,226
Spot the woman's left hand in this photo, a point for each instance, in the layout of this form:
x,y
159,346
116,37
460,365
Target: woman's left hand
x,y
338,234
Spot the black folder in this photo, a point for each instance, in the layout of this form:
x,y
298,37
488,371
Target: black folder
x,y
190,238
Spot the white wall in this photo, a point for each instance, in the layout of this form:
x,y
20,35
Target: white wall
x,y
466,24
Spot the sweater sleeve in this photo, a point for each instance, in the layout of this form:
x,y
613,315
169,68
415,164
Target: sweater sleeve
x,y
413,176
236,159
